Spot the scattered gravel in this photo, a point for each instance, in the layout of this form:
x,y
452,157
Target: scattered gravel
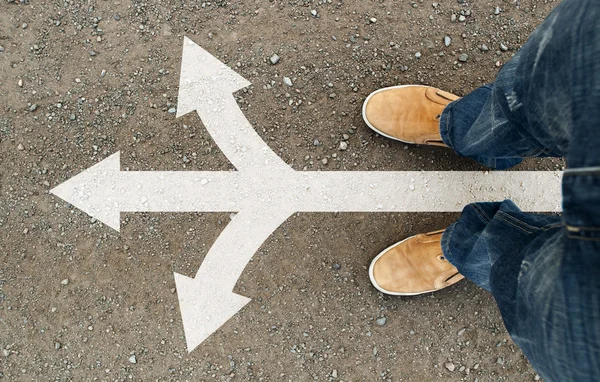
x,y
274,59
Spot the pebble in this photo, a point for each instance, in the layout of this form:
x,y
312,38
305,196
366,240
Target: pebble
x,y
497,11
343,146
336,266
314,12
287,81
117,17
484,48
20,147
381,321
418,55
334,374
103,73
274,59
453,18
65,282
92,53
463,57
33,107
5,352
1,49
450,366
132,359
24,26
503,47
172,110
57,345
20,83
461,331
447,40
462,18
500,361
373,20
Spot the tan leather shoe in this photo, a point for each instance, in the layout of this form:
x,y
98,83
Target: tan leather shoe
x,y
413,266
408,113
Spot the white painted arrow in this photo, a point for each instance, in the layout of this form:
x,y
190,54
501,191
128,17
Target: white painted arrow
x,y
265,191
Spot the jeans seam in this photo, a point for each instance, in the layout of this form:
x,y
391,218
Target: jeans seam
x,y
516,222
481,213
583,238
586,228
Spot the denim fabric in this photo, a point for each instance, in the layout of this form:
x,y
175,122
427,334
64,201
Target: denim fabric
x,y
543,270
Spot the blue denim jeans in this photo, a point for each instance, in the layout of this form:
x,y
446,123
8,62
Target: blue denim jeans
x,y
543,270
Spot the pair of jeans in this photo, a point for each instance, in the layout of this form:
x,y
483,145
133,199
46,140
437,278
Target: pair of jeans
x,y
543,270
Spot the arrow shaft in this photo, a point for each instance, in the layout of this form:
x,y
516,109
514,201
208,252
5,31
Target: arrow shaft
x,y
331,191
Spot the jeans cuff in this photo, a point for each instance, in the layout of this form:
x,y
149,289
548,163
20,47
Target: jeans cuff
x,y
446,125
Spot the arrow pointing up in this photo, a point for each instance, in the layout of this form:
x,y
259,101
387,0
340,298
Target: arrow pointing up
x,y
266,191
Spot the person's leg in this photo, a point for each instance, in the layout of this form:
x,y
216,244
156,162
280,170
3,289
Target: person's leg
x,y
544,271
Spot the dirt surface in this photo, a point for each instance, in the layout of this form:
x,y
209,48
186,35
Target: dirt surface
x,y
80,80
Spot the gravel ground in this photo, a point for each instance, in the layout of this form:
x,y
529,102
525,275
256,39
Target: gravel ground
x,y
81,80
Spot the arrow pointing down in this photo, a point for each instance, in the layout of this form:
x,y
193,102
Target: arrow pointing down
x,y
265,191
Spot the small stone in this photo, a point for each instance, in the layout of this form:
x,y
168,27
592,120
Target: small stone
x,y
92,53
462,18
435,4
132,359
418,55
381,321
5,352
343,146
503,47
117,17
316,142
65,282
447,40
274,59
373,20
375,350
334,374
90,328
497,11
450,366
57,345
314,12
24,25
1,49
461,331
287,81
500,361
102,73
453,18
324,160
332,95
463,57
172,110
412,187
336,266
484,48
33,107
20,147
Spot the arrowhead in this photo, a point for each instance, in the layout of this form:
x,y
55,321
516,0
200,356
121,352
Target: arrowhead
x,y
92,191
204,308
203,77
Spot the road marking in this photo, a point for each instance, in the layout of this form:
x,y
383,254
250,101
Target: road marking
x,y
265,191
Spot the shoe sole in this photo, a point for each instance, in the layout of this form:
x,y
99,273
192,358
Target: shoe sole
x,y
364,115
378,287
